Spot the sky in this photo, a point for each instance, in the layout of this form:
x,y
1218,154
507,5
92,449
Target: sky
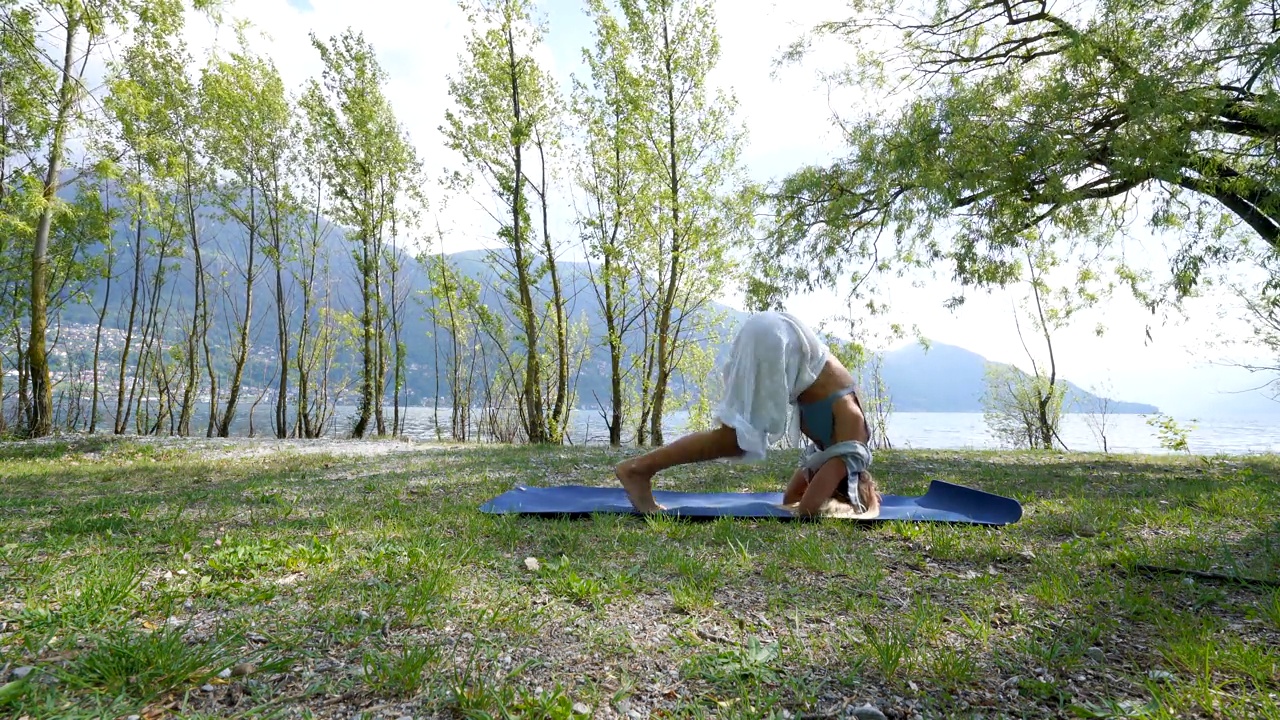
x,y
788,117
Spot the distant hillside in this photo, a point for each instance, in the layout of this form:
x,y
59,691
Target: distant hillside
x,y
946,378
942,379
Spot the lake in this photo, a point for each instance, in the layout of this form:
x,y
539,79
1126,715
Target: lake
x,y
1232,435
950,431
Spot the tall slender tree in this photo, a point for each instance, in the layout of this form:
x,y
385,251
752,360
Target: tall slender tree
x,y
80,30
691,147
153,103
247,129
609,114
367,161
504,102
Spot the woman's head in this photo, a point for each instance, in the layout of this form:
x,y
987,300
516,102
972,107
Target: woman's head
x,y
868,493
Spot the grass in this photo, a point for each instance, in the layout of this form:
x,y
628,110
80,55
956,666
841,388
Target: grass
x,y
175,579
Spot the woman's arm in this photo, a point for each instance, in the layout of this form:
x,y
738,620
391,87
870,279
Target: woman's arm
x,y
822,486
795,489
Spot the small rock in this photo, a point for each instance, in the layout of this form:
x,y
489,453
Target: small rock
x,y
133,717
244,668
207,687
1160,675
581,708
226,673
182,572
1096,655
1188,581
532,564
634,714
405,717
624,706
867,712
362,616
21,672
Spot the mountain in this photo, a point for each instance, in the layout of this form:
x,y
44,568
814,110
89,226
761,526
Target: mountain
x,y
942,379
946,378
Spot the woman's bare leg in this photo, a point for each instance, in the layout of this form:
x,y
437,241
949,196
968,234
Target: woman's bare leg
x,y
636,474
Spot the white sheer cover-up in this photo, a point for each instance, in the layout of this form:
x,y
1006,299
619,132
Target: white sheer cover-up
x,y
774,358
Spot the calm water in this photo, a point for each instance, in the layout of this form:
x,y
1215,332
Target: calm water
x,y
1125,433
953,431
1234,435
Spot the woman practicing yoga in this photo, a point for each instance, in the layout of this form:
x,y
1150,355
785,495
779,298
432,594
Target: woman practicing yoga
x,y
778,368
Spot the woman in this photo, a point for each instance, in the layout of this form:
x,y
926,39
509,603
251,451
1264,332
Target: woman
x,y
778,368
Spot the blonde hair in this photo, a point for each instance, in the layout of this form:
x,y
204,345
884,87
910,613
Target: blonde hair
x,y
868,492
840,504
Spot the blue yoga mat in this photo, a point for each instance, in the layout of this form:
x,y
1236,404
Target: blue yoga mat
x,y
944,502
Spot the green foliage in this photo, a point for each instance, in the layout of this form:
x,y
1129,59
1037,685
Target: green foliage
x,y
506,110
1171,435
756,662
143,666
1023,116
1021,410
369,168
398,674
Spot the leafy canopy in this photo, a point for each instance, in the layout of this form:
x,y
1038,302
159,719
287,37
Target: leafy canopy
x,y
1010,115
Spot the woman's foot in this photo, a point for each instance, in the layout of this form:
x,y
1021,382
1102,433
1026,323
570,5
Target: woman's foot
x,y
639,487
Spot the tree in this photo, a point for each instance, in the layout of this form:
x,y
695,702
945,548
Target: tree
x,y
1005,116
368,162
609,176
1022,410
317,337
504,102
1026,409
24,120
80,30
154,105
1098,414
247,130
108,275
690,149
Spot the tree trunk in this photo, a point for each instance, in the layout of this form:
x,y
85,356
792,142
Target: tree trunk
x,y
242,342
194,336
615,355
435,369
24,381
646,385
380,345
121,417
41,422
366,327
282,333
305,350
666,341
535,421
556,431
97,340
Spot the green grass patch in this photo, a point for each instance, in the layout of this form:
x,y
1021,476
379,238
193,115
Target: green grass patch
x,y
137,575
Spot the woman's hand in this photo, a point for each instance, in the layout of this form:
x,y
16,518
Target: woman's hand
x,y
796,488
